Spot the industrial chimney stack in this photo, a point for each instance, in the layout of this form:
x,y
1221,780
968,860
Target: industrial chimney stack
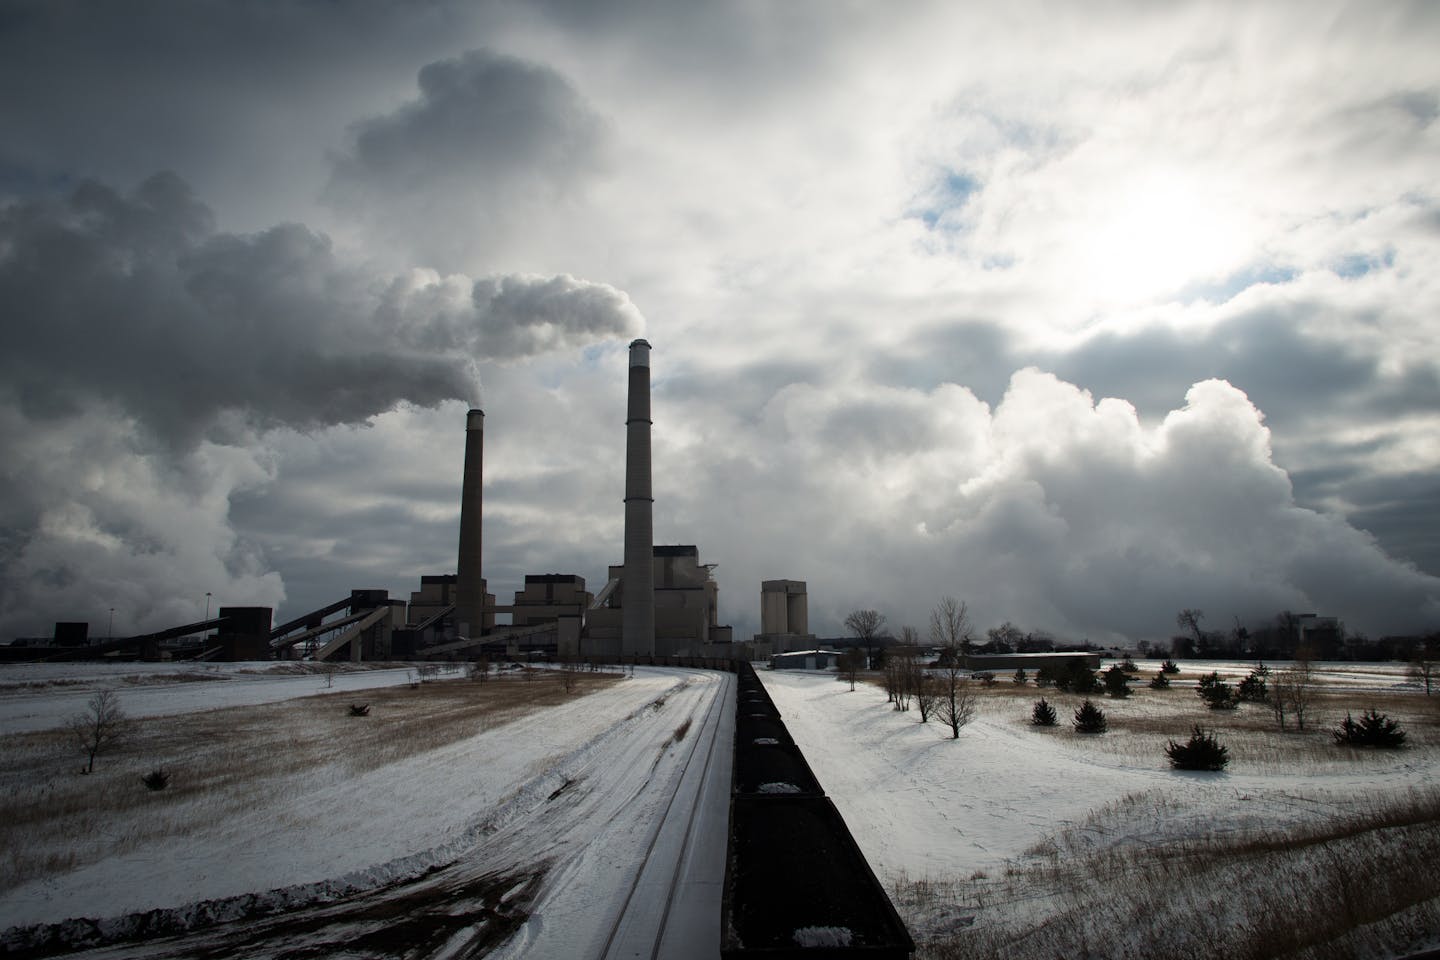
x,y
470,584
638,591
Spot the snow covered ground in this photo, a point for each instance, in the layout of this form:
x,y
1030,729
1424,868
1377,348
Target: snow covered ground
x,y
40,696
959,814
522,831
559,799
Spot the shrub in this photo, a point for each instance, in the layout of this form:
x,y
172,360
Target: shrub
x,y
1169,666
1021,677
1117,682
1160,681
359,709
1044,677
1201,752
986,677
1089,719
1217,694
156,779
1372,730
1252,688
1075,677
1128,665
1042,714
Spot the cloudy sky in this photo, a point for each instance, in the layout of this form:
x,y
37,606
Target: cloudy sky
x,y
1080,313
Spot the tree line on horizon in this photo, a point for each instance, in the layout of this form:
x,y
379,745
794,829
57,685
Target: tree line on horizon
x,y
1281,637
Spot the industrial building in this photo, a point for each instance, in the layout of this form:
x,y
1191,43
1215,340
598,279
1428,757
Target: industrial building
x,y
659,602
784,619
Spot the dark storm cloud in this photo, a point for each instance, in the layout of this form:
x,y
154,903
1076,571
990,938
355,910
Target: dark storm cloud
x,y
240,98
480,115
144,351
490,141
134,300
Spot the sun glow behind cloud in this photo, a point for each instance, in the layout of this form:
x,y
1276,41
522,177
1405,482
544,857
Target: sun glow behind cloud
x,y
1152,236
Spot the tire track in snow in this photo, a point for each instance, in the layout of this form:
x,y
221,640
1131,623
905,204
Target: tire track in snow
x,y
457,897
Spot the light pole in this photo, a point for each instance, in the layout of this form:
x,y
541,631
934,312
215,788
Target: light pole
x,y
110,633
207,604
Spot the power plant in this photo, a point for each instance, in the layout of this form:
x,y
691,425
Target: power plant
x,y
661,601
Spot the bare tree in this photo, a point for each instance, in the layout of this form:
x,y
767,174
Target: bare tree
x,y
868,627
902,669
950,627
1293,689
1005,638
1189,619
950,630
851,662
99,727
954,701
1426,661
927,693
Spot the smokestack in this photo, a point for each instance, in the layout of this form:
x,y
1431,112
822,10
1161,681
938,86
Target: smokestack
x,y
470,585
638,599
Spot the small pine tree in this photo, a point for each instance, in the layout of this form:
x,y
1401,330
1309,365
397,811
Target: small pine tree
x,y
1372,730
1169,666
1252,688
1117,682
156,779
1044,677
1201,752
1128,665
1217,694
1042,714
359,709
1089,719
1021,677
1160,681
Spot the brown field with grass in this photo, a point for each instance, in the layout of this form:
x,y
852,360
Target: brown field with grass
x,y
223,761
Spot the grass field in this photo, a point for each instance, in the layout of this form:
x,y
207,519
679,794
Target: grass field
x,y
1297,861
229,760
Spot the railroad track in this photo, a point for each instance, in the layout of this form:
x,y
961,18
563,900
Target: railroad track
x,y
684,861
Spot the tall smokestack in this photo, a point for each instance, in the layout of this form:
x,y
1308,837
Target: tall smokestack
x,y
470,585
638,597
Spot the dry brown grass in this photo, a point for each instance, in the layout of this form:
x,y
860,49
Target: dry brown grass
x,y
1161,874
222,761
1357,880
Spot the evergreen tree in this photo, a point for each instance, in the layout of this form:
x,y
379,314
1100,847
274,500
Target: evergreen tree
x,y
1021,677
1042,715
1217,694
1201,752
1159,681
1371,730
1169,666
1089,719
1252,688
1117,682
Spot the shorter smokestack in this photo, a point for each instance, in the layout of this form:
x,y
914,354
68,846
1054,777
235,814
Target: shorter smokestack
x,y
469,581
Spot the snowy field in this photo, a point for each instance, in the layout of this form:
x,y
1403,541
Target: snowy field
x,y
510,817
537,802
1021,841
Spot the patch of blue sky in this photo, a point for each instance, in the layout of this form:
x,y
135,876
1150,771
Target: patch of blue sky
x,y
1358,264
950,194
1229,287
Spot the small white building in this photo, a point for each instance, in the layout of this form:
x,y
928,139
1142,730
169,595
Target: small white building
x,y
805,660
